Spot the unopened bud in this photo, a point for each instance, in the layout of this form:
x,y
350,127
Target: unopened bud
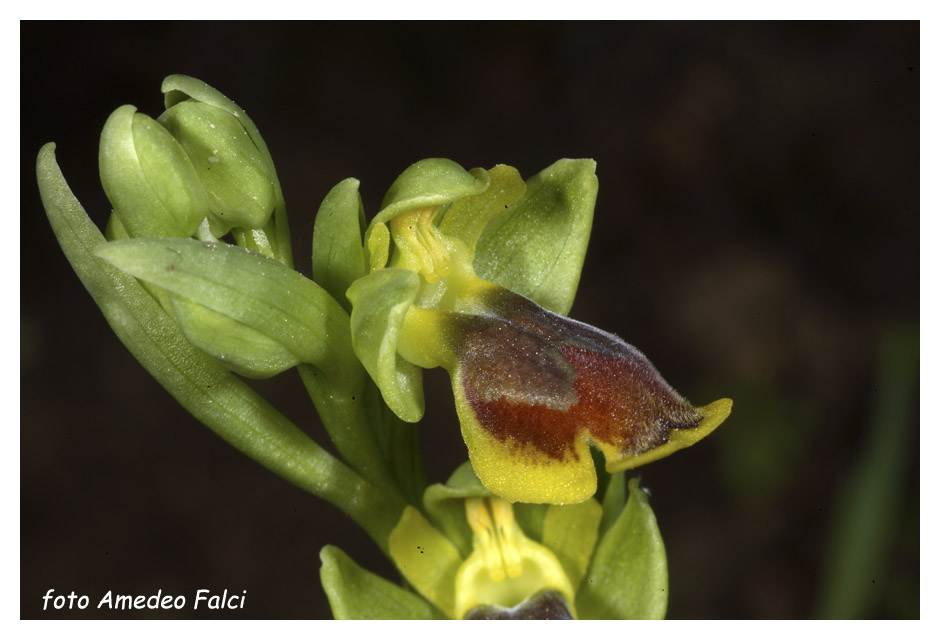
x,y
148,178
236,174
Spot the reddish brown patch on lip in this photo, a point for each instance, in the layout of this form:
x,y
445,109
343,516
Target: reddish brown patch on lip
x,y
535,378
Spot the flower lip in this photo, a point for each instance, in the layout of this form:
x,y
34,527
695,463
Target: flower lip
x,y
537,378
534,389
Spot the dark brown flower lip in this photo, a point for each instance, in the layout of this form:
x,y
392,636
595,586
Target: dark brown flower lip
x,y
540,379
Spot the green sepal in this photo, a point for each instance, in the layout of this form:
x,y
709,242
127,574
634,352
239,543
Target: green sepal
x,y
355,593
178,88
536,247
628,578
338,255
147,176
234,171
467,217
202,385
570,532
427,559
444,504
250,290
380,301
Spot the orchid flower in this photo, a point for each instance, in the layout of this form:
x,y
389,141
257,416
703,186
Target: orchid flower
x,y
533,388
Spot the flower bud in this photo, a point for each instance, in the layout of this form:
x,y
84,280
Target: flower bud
x,y
236,174
148,178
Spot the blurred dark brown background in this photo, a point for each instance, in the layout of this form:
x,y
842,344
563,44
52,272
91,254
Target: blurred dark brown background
x,y
756,235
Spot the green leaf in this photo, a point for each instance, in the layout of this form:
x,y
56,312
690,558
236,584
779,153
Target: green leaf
x,y
338,255
380,302
536,247
427,558
628,579
357,594
148,178
570,531
253,290
857,562
197,381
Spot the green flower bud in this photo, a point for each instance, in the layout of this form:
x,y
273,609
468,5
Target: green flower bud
x,y
236,173
148,178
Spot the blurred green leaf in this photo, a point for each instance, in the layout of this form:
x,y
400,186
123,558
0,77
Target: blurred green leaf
x,y
868,506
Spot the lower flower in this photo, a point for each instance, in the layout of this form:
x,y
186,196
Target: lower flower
x,y
473,555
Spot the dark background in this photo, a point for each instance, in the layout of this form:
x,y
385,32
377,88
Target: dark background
x,y
756,235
